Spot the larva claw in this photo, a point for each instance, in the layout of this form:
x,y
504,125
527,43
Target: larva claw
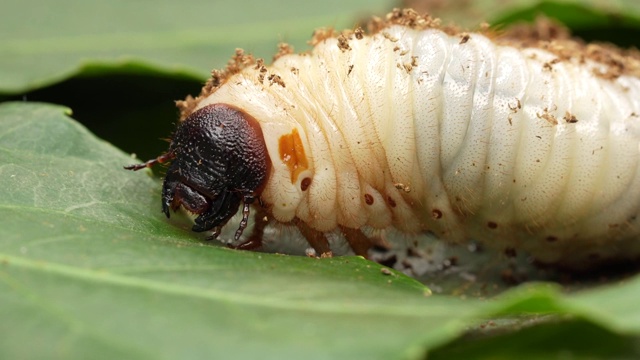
x,y
215,233
250,244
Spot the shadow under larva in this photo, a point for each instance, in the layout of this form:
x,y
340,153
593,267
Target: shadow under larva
x,y
416,128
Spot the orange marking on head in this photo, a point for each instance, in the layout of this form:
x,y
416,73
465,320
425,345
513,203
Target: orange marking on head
x,y
292,153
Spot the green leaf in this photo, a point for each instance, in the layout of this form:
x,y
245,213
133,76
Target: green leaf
x,y
180,39
89,267
541,338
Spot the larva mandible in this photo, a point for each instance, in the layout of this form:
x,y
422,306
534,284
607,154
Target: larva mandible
x,y
422,129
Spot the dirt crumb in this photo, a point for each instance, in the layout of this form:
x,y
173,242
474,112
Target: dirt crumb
x,y
555,38
322,34
605,60
570,118
237,63
343,43
283,49
276,79
546,115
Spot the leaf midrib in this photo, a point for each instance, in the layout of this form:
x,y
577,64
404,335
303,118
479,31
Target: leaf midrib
x,y
281,304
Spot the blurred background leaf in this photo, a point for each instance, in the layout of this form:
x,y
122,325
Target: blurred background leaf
x,y
613,21
120,65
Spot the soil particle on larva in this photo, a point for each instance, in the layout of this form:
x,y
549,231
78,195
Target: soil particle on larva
x,y
404,187
262,69
283,49
343,43
322,34
546,115
555,38
543,34
389,36
236,64
276,79
569,118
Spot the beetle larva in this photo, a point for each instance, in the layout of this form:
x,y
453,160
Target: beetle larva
x,y
421,129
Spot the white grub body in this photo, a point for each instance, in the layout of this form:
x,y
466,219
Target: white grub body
x,y
454,135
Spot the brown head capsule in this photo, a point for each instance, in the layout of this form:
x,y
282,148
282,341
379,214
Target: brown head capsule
x,y
218,160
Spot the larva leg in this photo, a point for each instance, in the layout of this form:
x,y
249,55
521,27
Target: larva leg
x,y
245,217
359,242
214,233
159,160
255,240
315,238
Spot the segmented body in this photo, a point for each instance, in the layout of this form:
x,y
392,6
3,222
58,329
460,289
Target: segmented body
x,y
453,134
